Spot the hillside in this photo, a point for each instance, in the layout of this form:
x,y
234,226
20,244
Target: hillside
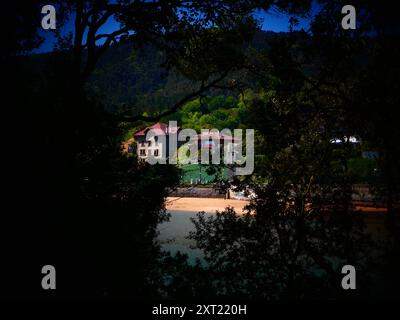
x,y
126,78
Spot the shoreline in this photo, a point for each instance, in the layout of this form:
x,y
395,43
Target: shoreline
x,y
211,205
208,205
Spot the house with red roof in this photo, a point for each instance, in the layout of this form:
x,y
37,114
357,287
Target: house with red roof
x,y
157,144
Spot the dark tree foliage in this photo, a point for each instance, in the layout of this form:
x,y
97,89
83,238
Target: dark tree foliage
x,y
92,211
86,208
301,228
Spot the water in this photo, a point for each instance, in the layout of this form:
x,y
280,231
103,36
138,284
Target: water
x,y
173,235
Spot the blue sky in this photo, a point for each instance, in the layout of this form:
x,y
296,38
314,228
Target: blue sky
x,y
278,22
270,21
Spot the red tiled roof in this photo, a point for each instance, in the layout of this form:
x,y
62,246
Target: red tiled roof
x,y
160,125
157,126
140,133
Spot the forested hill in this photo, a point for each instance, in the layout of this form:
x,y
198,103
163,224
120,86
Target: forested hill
x,y
128,78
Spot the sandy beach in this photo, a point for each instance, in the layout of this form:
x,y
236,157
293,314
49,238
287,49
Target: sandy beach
x,y
209,205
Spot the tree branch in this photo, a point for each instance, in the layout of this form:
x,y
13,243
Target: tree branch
x,y
176,106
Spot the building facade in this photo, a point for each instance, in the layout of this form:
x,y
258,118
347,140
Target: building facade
x,y
157,144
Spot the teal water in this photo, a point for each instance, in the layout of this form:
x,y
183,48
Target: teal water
x,y
173,235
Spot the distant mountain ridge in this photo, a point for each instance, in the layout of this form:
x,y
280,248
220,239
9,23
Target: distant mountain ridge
x,y
125,78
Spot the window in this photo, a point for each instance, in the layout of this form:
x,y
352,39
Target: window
x,y
156,152
142,152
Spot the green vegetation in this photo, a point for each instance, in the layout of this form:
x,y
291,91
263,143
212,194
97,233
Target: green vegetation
x,y
363,170
193,174
94,212
218,112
